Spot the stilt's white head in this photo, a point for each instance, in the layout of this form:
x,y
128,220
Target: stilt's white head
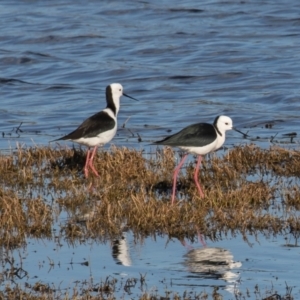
x,y
114,92
223,123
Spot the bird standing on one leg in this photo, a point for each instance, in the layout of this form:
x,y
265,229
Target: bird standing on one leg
x,y
100,128
200,139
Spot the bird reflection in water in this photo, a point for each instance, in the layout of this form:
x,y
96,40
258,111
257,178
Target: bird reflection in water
x,y
213,263
120,251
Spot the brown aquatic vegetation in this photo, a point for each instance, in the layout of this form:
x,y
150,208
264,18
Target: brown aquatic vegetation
x,y
106,291
133,191
22,217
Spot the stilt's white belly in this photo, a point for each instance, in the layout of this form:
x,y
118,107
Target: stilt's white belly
x,y
201,150
99,140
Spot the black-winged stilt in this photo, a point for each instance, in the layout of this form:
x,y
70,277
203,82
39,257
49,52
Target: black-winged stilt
x,y
100,128
200,139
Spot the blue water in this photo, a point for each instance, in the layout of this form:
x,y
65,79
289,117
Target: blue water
x,y
186,61
166,266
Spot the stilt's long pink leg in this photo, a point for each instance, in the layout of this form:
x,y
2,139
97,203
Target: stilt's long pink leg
x,y
176,171
86,171
91,161
196,176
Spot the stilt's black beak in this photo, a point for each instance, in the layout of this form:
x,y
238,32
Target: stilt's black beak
x,y
244,134
130,97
